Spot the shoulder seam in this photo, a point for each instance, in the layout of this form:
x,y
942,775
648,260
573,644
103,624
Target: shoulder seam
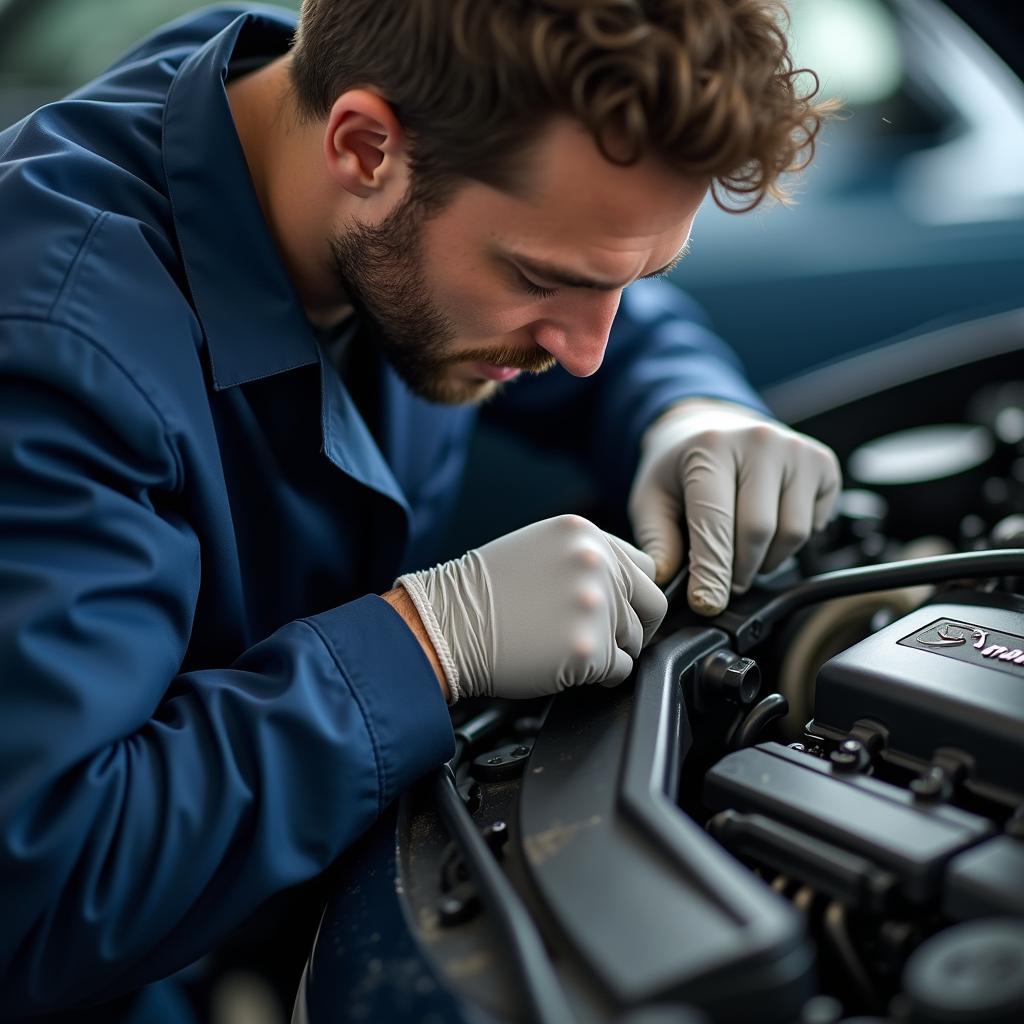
x,y
76,261
110,358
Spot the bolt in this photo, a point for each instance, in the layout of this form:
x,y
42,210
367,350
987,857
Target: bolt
x,y
520,751
458,906
496,836
495,760
933,784
849,756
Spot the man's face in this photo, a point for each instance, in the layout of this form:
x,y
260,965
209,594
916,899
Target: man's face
x,y
494,284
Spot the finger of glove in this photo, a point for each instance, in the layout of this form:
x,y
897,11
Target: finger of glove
x,y
796,520
622,665
629,631
647,599
654,514
709,490
829,486
630,552
757,519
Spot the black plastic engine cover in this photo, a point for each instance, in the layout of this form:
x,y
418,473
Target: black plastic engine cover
x,y
882,822
950,674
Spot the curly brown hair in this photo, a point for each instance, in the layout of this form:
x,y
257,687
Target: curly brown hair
x,y
709,86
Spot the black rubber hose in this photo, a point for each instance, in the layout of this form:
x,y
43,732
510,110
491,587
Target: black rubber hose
x,y
545,998
764,711
750,629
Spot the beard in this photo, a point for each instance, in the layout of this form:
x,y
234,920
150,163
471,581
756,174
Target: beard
x,y
380,267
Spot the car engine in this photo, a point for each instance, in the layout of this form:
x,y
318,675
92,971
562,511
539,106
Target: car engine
x,y
809,810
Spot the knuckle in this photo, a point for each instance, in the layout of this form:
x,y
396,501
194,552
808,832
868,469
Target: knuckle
x,y
763,433
572,522
588,555
758,532
590,597
582,648
714,439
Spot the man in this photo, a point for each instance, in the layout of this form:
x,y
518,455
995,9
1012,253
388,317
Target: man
x,y
254,292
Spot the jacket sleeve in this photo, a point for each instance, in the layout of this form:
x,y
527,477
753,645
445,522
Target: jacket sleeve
x,y
144,813
661,350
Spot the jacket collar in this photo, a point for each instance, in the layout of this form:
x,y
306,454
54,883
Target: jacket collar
x,y
249,310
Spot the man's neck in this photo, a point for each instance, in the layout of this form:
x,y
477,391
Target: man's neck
x,y
286,166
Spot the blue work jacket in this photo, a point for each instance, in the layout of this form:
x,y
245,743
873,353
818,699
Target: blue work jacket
x,y
202,701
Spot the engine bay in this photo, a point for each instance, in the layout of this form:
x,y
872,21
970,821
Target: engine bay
x,y
809,810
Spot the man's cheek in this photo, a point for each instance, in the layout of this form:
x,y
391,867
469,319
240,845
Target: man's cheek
x,y
483,317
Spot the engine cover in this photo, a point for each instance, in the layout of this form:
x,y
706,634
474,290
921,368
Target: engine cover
x,y
950,674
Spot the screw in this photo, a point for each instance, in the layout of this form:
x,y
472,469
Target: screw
x,y
520,751
495,760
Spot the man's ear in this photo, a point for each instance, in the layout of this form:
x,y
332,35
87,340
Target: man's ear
x,y
364,145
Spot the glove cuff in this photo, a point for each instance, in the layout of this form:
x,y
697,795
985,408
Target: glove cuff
x,y
413,585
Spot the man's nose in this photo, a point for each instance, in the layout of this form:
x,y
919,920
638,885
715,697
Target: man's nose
x,y
578,336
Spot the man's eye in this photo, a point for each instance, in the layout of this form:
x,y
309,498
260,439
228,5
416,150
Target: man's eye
x,y
535,289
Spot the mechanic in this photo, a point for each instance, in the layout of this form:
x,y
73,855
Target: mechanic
x,y
255,288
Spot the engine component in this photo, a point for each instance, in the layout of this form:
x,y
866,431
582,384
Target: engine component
x,y
976,882
825,867
866,816
970,972
712,935
726,676
948,675
767,710
502,764
837,625
928,475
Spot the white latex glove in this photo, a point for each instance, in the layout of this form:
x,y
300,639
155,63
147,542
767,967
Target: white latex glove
x,y
556,604
752,491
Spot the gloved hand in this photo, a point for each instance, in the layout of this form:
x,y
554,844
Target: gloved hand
x,y
752,491
556,604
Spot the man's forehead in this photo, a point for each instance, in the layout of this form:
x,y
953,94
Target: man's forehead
x,y
575,200
578,213
567,170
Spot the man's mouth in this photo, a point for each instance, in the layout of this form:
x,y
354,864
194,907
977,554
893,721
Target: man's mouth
x,y
489,371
